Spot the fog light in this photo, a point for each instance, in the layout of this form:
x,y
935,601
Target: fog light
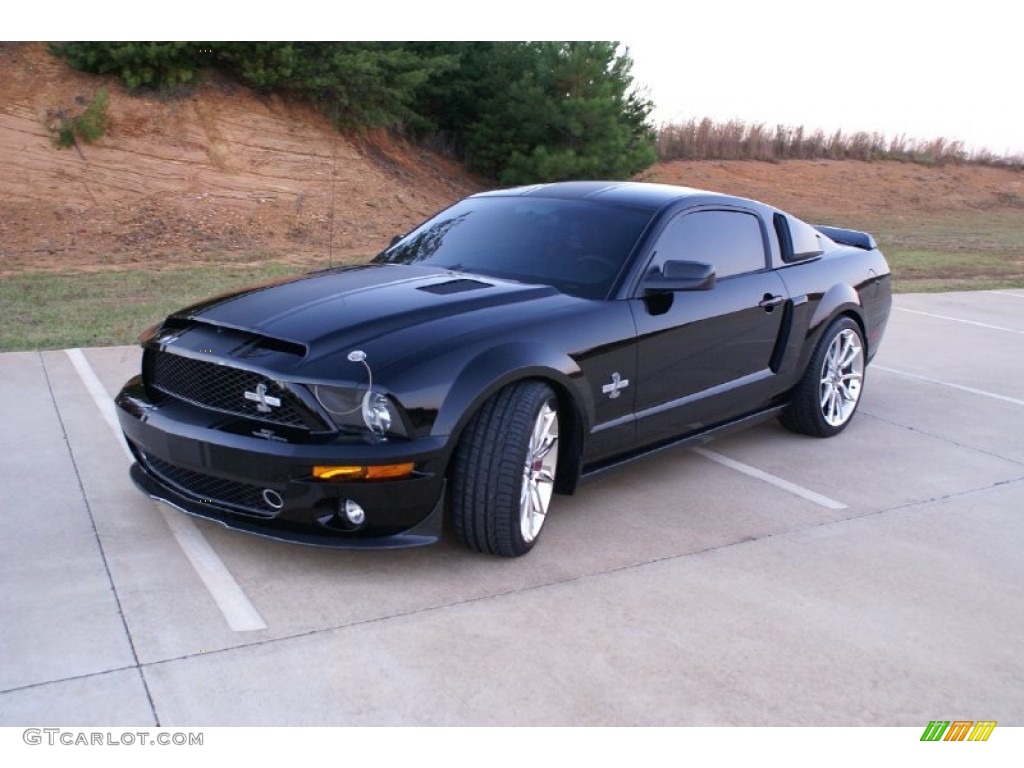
x,y
354,512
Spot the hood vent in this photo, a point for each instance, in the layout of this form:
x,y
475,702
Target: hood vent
x,y
460,285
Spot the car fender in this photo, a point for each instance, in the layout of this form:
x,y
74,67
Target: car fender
x,y
838,300
497,367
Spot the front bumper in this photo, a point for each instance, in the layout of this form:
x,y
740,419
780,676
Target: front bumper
x,y
259,481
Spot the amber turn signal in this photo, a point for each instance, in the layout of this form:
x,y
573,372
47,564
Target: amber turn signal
x,y
354,472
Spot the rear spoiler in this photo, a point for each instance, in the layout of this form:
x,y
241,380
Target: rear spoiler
x,y
848,237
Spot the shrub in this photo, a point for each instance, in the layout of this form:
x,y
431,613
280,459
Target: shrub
x,y
706,140
138,64
86,127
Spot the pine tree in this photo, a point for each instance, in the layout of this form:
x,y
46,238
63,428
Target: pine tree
x,y
570,114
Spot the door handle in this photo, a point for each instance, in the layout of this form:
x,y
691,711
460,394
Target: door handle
x,y
770,302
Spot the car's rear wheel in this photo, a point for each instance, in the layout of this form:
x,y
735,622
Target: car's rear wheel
x,y
503,470
827,396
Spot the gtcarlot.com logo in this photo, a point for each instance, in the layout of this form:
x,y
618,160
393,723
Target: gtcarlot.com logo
x,y
70,738
958,730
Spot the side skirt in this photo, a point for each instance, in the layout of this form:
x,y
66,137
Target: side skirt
x,y
704,436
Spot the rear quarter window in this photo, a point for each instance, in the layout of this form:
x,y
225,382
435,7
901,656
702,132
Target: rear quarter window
x,y
798,240
807,241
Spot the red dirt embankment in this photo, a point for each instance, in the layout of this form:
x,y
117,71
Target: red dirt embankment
x,y
850,188
220,174
223,174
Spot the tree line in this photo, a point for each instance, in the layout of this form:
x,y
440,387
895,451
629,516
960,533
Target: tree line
x,y
516,112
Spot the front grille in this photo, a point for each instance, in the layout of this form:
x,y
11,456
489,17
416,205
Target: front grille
x,y
242,497
224,388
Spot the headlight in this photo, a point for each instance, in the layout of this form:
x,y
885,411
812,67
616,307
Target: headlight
x,y
376,412
360,409
339,401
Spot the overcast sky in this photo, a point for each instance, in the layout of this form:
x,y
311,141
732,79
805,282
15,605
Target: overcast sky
x,y
924,69
919,69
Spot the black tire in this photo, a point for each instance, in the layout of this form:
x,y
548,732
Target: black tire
x,y
492,465
825,400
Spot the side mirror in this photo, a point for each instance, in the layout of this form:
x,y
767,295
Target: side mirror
x,y
680,276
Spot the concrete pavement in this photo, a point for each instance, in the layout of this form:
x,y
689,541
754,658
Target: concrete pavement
x,y
674,591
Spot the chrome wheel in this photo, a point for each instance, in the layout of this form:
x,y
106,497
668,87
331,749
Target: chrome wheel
x,y
504,468
539,473
842,373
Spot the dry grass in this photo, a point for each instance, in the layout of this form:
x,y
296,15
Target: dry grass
x,y
705,139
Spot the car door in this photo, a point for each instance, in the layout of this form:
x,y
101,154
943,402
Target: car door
x,y
704,356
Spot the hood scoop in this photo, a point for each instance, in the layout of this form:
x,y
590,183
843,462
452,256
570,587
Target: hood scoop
x,y
459,285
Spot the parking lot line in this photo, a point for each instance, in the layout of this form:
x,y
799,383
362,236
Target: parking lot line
x,y
99,396
239,612
961,387
960,320
1007,293
778,482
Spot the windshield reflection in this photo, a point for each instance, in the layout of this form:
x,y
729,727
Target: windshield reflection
x,y
576,246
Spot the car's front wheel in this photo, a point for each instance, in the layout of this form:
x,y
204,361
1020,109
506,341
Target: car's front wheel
x,y
826,398
503,470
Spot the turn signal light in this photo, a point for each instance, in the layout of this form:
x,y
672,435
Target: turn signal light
x,y
353,472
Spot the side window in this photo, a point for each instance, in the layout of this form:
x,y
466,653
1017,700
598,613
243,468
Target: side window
x,y
806,240
729,240
797,241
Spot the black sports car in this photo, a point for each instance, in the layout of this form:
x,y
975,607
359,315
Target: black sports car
x,y
511,344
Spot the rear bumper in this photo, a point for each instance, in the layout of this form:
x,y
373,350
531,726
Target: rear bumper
x,y
264,486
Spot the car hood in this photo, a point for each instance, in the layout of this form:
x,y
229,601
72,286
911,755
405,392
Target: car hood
x,y
389,309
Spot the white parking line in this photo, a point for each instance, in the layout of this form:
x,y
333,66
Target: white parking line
x,y
240,614
778,482
1007,293
99,395
961,387
960,320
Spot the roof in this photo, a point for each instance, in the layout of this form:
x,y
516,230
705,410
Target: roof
x,y
632,193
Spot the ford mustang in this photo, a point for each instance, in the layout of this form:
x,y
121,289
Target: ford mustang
x,y
514,343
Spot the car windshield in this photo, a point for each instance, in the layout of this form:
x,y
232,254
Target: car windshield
x,y
576,246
